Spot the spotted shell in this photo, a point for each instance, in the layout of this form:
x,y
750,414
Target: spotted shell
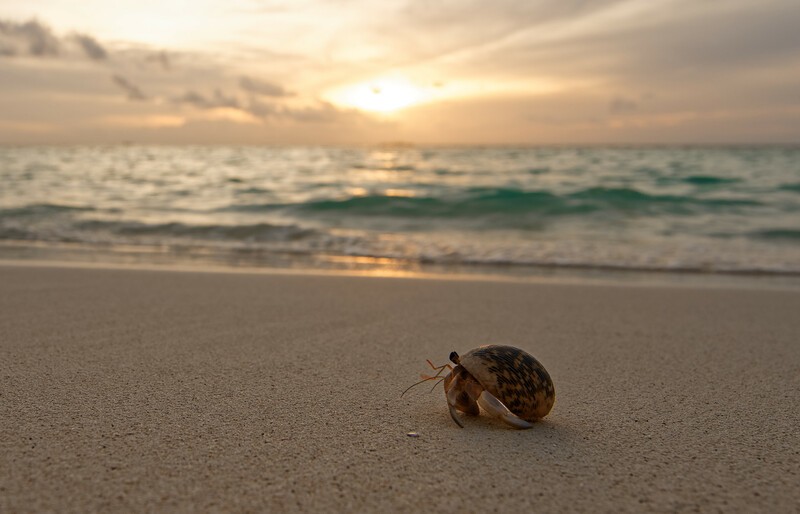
x,y
514,377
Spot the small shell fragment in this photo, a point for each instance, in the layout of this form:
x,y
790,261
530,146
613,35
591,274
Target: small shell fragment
x,y
412,434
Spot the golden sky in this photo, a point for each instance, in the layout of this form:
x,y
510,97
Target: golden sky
x,y
420,71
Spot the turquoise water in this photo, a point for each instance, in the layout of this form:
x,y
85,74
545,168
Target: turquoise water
x,y
666,209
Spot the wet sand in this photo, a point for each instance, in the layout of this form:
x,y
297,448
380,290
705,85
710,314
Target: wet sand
x,y
134,390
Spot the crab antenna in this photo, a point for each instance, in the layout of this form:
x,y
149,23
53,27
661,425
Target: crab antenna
x,y
441,379
421,381
438,369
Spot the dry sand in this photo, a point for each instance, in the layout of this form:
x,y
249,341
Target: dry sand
x,y
130,390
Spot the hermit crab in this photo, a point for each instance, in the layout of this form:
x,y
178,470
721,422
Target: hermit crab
x,y
504,381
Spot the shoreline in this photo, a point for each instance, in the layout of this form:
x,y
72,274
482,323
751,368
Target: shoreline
x,y
136,257
602,278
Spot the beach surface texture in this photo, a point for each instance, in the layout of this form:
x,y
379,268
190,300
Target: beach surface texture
x,y
135,390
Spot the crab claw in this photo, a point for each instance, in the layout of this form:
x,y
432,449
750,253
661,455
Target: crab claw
x,y
454,415
495,407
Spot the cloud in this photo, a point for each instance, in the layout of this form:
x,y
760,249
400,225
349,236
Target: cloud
x,y
160,58
260,87
218,100
463,25
28,38
134,93
263,110
192,98
91,47
322,112
32,38
317,112
221,100
621,105
314,112
7,50
651,45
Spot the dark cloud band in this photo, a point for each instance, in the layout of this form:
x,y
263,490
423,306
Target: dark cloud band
x,y
133,91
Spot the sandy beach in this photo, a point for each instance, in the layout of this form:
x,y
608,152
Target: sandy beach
x,y
135,390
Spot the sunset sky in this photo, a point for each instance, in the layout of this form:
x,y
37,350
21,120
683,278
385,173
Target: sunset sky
x,y
425,72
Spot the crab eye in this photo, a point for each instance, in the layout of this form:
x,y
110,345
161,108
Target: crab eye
x,y
454,358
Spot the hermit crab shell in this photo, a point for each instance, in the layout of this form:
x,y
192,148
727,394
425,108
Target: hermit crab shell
x,y
514,377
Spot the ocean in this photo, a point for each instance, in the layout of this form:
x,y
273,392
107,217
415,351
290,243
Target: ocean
x,y
729,210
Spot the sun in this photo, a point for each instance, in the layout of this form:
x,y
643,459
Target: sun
x,y
384,95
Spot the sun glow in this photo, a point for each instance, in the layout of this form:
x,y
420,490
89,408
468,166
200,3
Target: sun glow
x,y
384,95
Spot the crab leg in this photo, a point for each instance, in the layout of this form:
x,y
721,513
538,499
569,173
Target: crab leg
x,y
439,369
495,407
453,391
